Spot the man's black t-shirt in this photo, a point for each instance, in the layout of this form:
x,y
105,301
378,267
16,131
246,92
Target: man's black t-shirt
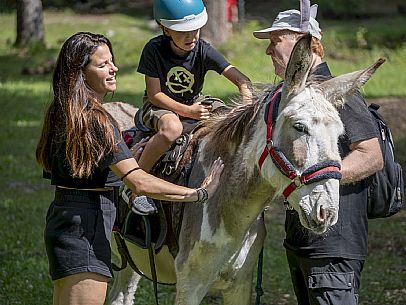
x,y
101,176
181,78
348,237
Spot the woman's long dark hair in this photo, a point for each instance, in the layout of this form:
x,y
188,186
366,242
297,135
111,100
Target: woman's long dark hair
x,y
75,115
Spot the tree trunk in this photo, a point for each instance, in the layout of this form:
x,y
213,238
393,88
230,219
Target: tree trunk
x,y
216,29
30,27
241,11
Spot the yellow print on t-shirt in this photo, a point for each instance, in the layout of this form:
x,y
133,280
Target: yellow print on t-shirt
x,y
179,80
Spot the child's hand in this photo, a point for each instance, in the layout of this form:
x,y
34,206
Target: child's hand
x,y
199,112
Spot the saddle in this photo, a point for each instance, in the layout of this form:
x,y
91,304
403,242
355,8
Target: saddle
x,y
162,228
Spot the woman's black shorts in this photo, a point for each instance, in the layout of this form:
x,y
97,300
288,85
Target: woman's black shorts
x,y
78,232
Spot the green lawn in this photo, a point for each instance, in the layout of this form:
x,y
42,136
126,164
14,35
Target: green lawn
x,y
25,196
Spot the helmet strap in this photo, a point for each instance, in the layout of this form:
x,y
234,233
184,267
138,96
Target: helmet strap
x,y
177,45
170,39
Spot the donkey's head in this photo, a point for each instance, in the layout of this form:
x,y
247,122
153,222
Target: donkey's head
x,y
305,158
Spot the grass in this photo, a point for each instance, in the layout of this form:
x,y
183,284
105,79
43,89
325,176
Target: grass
x,y
25,196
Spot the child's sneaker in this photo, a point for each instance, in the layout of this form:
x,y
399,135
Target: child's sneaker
x,y
141,205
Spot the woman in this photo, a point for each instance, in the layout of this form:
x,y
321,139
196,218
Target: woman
x,y
79,145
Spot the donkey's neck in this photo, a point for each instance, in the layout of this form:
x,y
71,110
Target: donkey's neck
x,y
243,192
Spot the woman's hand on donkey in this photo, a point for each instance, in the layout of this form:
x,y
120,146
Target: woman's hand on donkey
x,y
213,178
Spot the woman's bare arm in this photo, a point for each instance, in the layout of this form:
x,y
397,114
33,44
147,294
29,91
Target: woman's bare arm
x,y
142,183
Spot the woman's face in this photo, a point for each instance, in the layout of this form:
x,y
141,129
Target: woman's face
x,y
100,73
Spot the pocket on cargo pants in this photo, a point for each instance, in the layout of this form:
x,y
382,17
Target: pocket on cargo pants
x,y
327,288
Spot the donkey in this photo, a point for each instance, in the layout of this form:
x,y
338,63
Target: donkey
x,y
296,158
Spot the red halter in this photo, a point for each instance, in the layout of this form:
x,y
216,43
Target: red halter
x,y
317,172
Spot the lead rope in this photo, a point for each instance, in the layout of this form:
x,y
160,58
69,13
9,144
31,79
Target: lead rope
x,y
258,288
153,272
151,256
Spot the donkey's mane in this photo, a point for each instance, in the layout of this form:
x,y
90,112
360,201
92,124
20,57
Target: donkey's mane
x,y
230,128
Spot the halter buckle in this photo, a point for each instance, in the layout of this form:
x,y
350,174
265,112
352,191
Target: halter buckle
x,y
297,182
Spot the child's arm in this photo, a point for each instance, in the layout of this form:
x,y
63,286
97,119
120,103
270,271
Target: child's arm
x,y
196,111
241,81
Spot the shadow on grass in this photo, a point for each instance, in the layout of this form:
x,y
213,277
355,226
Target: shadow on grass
x,y
16,61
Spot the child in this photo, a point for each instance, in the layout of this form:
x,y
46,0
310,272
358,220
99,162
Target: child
x,y
174,65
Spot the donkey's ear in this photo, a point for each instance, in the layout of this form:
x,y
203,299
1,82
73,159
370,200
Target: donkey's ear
x,y
299,65
337,88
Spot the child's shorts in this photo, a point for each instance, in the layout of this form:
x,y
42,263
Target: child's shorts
x,y
151,114
78,232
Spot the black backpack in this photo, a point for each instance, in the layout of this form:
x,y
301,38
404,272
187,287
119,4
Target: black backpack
x,y
386,188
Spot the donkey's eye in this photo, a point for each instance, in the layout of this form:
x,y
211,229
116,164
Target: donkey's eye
x,y
300,127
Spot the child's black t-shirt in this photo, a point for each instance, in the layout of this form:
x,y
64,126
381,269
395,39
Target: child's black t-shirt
x,y
181,78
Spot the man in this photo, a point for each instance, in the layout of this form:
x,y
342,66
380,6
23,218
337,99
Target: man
x,y
326,269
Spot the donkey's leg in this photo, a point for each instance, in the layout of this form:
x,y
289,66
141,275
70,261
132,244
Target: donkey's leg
x,y
123,287
239,293
195,272
125,282
190,290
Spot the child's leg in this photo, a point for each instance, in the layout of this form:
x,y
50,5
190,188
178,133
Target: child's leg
x,y
169,129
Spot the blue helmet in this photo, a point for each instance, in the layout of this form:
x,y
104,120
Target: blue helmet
x,y
180,15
